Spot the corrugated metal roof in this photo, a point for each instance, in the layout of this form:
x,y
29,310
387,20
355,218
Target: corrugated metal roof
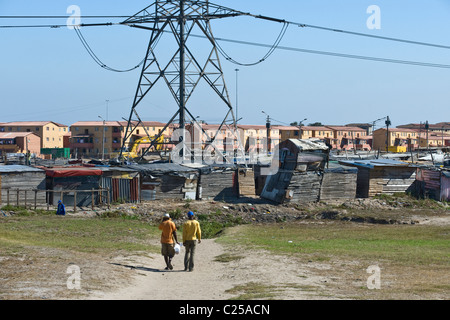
x,y
18,168
306,145
376,163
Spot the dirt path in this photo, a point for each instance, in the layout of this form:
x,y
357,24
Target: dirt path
x,y
211,279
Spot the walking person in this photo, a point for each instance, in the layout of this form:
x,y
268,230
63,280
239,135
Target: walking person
x,y
169,233
191,233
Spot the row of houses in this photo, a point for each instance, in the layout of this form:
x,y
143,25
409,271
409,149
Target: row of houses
x,y
97,139
303,174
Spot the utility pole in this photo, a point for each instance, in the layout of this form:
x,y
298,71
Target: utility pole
x,y
268,126
388,123
427,126
103,139
300,125
237,88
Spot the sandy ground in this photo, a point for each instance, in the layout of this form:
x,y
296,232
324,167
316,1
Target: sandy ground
x,y
211,279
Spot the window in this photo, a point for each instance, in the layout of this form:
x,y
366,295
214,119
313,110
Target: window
x,y
48,128
48,139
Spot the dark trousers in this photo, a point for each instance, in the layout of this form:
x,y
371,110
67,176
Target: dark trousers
x,y
189,246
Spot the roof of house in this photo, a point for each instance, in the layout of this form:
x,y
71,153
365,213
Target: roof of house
x,y
143,123
31,124
375,163
286,128
316,128
18,168
95,124
12,135
345,128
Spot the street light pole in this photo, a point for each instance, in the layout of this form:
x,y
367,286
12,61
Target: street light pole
x,y
300,125
268,126
103,139
237,88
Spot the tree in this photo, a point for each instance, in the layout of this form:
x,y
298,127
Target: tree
x,y
316,124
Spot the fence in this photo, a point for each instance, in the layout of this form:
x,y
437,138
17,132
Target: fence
x,y
19,197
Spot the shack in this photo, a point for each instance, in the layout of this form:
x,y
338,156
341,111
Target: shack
x,y
433,183
445,186
382,176
217,183
159,181
299,174
338,182
123,184
74,184
20,184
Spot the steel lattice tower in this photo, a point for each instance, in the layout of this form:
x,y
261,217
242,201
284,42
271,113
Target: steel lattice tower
x,y
184,71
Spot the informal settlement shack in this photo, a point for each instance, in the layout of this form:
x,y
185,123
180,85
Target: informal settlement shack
x,y
383,176
298,172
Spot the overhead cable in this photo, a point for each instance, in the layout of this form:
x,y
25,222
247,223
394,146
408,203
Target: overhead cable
x,y
96,59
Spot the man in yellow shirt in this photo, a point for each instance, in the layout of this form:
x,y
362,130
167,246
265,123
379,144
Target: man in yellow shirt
x,y
169,232
191,233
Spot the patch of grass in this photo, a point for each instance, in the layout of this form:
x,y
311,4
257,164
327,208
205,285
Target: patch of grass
x,y
409,201
251,291
84,235
23,211
400,243
227,257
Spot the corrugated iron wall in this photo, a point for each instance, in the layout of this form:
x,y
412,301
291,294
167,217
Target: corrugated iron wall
x,y
122,189
445,187
430,186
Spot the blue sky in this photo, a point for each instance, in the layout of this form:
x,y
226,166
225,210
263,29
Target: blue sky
x,y
46,74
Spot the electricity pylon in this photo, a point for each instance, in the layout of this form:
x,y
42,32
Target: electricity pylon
x,y
184,71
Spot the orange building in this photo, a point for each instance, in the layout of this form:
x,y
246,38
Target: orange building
x,y
51,133
348,138
20,142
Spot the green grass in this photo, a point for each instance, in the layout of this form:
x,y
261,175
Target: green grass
x,y
79,234
400,243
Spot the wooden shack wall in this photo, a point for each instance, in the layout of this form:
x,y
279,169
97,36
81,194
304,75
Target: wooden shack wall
x,y
304,187
445,187
217,185
390,180
338,185
22,181
246,183
168,187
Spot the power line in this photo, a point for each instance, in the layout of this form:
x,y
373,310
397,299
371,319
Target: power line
x,y
335,54
272,48
360,34
97,60
266,56
60,17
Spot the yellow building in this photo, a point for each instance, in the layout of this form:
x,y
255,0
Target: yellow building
x,y
254,137
51,133
398,137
